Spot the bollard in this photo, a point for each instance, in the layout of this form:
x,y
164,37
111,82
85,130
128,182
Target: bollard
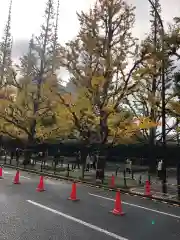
x,y
55,168
41,166
132,174
124,174
68,170
5,158
178,180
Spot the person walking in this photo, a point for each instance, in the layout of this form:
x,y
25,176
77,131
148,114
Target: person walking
x,y
159,169
88,162
128,165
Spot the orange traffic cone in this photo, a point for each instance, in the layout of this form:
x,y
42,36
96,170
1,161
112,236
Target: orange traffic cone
x,y
112,183
1,173
147,188
16,178
40,187
73,193
118,205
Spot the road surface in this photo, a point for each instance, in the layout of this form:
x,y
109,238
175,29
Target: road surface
x,y
28,215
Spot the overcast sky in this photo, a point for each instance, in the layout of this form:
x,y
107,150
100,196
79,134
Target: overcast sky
x,y
27,18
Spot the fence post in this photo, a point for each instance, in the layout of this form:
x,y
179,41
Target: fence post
x,y
149,178
178,180
68,170
124,174
17,163
5,158
140,180
55,164
41,165
10,161
117,169
132,174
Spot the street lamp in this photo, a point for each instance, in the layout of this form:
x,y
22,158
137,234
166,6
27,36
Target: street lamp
x,y
163,93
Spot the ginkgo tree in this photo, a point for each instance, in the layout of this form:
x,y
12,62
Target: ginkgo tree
x,y
98,64
97,61
174,104
7,127
17,113
84,116
62,127
36,67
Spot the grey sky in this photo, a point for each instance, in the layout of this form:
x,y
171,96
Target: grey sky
x,y
27,18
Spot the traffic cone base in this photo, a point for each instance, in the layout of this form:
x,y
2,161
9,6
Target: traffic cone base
x,y
40,190
117,213
74,200
148,195
16,182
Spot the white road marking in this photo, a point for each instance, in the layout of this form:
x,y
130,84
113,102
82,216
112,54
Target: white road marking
x,y
25,177
50,181
89,225
138,206
20,175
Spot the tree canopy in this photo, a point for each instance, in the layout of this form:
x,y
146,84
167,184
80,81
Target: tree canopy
x,y
117,78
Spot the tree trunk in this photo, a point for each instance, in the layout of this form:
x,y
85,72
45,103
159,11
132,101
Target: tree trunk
x,y
152,137
178,180
152,157
84,153
83,169
28,154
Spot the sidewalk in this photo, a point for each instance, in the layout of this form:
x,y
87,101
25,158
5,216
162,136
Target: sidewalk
x,y
156,190
77,173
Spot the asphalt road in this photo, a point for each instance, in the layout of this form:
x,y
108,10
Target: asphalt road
x,y
28,215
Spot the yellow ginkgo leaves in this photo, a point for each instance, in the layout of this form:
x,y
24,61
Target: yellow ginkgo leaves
x,y
68,99
175,107
146,123
98,82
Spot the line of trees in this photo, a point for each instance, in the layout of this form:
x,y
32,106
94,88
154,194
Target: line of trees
x,y
117,79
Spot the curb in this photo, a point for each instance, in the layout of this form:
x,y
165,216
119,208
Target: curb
x,y
175,203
